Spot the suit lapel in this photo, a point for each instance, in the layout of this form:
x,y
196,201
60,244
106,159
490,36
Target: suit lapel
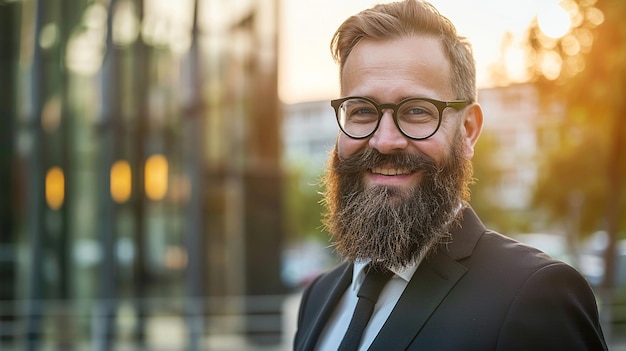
x,y
430,284
328,306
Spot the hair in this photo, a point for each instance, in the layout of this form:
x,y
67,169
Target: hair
x,y
409,18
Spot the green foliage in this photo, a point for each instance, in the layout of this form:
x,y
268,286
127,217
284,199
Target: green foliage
x,y
484,190
572,182
303,204
485,171
584,176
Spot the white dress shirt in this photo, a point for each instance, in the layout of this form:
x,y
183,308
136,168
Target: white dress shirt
x,y
340,319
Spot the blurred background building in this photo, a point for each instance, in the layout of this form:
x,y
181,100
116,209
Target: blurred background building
x,y
141,177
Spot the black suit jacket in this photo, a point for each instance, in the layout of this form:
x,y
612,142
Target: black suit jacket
x,y
483,291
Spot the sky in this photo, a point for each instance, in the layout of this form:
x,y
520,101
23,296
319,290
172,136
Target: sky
x,y
308,73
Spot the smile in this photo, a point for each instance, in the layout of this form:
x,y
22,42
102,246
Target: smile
x,y
390,171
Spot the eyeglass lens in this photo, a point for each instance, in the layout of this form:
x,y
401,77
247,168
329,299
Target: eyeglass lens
x,y
416,118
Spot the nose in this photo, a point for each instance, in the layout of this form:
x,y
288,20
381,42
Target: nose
x,y
388,139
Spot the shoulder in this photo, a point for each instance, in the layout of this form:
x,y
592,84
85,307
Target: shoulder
x,y
493,247
500,266
545,294
555,298
516,265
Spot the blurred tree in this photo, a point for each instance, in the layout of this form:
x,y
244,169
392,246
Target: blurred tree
x,y
583,177
303,205
486,189
485,171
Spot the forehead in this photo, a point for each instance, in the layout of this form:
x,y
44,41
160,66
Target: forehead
x,y
390,70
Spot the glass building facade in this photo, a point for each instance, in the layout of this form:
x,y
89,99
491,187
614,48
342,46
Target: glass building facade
x,y
141,183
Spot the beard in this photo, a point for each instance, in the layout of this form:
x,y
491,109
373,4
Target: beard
x,y
394,226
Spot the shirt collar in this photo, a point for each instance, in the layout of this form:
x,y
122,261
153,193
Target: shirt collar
x,y
358,272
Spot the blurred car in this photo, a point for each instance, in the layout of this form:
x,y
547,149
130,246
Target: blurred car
x,y
303,262
552,244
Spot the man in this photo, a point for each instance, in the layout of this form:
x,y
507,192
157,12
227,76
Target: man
x,y
396,193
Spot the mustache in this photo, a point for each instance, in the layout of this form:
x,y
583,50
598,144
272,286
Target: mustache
x,y
371,158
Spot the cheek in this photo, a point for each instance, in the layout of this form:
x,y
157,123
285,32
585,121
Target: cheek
x,y
439,146
347,146
436,147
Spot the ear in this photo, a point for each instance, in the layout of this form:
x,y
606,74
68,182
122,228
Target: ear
x,y
471,128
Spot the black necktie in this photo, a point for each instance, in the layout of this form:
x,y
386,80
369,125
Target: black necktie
x,y
375,280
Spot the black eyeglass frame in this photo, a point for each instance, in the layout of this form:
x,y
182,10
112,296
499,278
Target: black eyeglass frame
x,y
440,105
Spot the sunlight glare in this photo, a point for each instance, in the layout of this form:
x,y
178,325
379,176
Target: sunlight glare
x,y
554,21
574,65
571,46
585,39
595,16
551,64
515,62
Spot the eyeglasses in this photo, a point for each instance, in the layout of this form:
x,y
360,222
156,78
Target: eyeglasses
x,y
416,118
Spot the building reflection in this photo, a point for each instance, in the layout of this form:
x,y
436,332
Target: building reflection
x,y
142,177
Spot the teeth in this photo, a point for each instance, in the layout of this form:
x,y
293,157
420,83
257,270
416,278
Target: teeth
x,y
390,171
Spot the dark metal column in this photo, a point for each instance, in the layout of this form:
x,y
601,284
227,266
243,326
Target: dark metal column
x,y
194,168
107,299
141,281
36,197
8,239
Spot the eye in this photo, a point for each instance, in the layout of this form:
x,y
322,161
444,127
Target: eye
x,y
359,111
418,111
363,112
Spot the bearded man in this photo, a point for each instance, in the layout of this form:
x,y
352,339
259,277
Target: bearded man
x,y
421,271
